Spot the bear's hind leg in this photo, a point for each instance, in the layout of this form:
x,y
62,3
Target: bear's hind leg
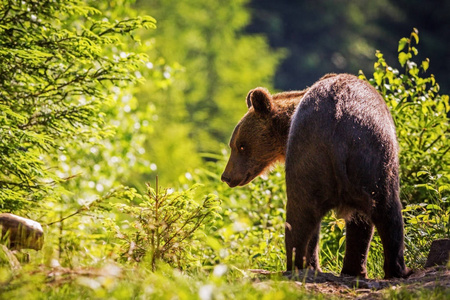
x,y
389,223
358,236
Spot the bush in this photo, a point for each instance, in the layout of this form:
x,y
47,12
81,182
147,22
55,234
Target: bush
x,y
57,71
165,226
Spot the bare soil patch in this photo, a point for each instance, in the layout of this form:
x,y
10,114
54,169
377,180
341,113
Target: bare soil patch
x,y
354,288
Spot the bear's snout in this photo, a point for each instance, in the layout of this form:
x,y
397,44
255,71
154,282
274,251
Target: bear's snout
x,y
231,180
225,179
234,181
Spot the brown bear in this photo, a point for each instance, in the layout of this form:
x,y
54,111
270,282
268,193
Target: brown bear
x,y
339,145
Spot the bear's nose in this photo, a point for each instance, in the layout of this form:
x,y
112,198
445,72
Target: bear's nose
x,y
225,179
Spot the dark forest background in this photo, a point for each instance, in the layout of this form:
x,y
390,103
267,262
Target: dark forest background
x,y
324,36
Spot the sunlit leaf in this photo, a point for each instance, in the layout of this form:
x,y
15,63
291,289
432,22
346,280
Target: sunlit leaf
x,y
443,188
425,64
415,35
403,58
402,43
433,207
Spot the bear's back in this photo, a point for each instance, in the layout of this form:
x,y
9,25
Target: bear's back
x,y
342,141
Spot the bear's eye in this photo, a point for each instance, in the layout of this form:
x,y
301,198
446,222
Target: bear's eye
x,y
241,148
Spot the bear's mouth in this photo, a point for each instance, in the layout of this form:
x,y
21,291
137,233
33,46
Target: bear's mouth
x,y
252,174
246,180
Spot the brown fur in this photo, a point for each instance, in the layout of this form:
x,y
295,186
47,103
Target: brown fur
x,y
262,133
338,140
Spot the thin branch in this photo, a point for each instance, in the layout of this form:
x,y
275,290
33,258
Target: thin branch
x,y
81,209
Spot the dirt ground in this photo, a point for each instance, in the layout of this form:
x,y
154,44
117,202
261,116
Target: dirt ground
x,y
351,288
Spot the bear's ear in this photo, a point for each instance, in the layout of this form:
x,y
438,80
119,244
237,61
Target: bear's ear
x,y
260,99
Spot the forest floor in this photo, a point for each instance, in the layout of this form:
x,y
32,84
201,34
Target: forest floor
x,y
333,286
111,281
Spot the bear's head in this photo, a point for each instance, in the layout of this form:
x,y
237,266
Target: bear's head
x,y
256,142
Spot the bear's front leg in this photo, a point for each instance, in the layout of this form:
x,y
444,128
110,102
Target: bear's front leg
x,y
312,252
301,238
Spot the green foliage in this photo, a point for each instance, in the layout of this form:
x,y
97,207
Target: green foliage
x,y
165,226
55,86
426,222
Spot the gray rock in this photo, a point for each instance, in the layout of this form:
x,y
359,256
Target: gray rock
x,y
20,233
439,253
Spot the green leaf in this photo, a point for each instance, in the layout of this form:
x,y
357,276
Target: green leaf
x,y
403,58
443,188
340,223
378,76
420,173
402,43
425,185
415,35
433,207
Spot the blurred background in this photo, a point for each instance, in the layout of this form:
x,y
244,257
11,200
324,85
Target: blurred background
x,y
211,53
342,36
